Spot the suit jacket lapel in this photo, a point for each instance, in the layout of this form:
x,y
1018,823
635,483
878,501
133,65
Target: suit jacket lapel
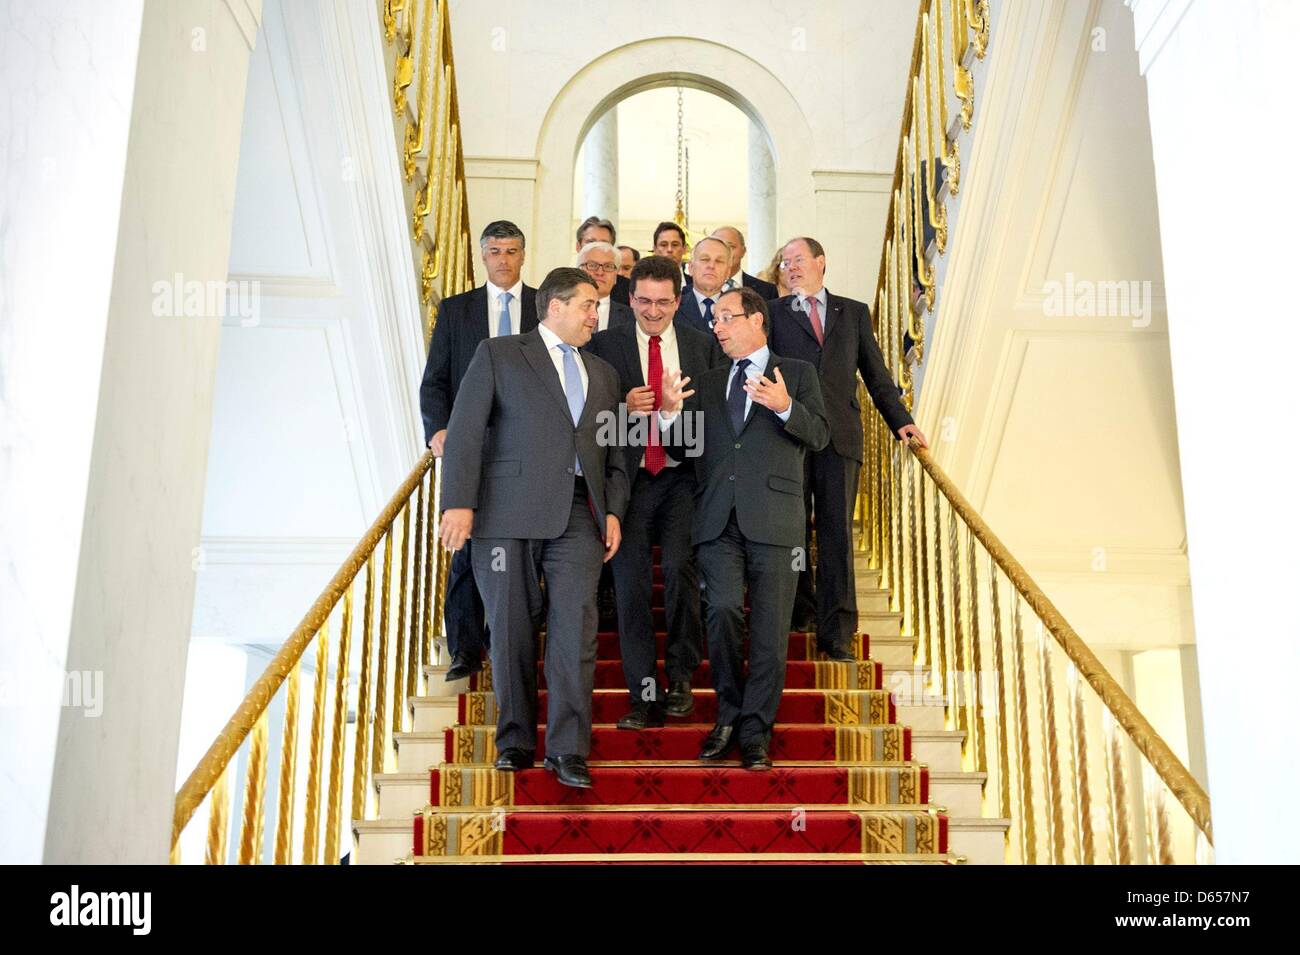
x,y
478,309
535,352
691,308
527,310
800,317
754,406
632,355
834,309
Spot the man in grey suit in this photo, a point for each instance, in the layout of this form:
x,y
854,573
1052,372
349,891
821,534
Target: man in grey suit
x,y
525,475
761,415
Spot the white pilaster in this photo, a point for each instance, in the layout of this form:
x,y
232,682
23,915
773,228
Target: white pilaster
x,y
761,241
600,169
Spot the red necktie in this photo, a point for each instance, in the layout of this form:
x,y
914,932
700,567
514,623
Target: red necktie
x,y
654,452
815,319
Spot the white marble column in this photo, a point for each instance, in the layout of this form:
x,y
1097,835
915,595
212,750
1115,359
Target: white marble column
x,y
761,241
1222,153
127,146
600,169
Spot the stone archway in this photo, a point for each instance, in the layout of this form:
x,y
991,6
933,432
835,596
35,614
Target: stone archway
x,y
650,64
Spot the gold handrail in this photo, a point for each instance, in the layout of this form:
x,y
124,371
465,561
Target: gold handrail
x,y
1125,712
251,709
430,158
960,622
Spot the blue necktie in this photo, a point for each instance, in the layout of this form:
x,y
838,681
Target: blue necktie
x,y
503,324
573,391
736,396
708,312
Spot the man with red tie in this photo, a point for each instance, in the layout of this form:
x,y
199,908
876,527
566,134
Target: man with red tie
x,y
662,503
834,334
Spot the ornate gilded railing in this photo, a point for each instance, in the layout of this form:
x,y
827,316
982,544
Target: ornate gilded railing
x,y
427,125
335,738
1069,758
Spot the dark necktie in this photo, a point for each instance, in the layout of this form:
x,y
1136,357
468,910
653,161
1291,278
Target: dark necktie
x,y
708,312
736,396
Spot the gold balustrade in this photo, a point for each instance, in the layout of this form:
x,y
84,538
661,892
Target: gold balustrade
x,y
336,736
1052,729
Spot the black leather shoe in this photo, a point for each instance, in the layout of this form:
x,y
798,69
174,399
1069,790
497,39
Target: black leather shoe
x,y
570,771
462,665
642,716
839,654
512,759
719,742
680,702
753,755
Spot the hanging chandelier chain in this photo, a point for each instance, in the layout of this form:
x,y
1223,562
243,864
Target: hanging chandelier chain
x,y
680,215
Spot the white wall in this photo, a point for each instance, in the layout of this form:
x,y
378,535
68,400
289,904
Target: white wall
x,y
62,164
825,79
135,444
1214,73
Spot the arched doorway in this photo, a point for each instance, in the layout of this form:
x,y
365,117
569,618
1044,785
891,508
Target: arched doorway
x,y
650,64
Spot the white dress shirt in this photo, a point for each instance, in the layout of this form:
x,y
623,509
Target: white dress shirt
x,y
700,297
553,343
602,314
667,355
494,307
757,365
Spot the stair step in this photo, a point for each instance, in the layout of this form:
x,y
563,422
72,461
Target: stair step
x,y
843,707
799,675
677,858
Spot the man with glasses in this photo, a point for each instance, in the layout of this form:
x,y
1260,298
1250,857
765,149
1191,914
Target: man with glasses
x,y
710,266
600,261
762,415
661,507
503,305
596,229
833,334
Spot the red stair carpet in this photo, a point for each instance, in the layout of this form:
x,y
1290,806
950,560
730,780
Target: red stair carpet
x,y
844,788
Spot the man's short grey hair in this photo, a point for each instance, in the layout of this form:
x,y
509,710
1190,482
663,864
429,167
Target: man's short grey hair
x,y
501,229
595,247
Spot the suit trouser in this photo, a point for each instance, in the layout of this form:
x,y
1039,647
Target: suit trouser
x,y
830,487
464,607
727,564
508,571
661,507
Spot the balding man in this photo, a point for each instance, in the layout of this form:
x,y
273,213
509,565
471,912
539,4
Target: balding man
x,y
600,261
737,277
710,266
833,334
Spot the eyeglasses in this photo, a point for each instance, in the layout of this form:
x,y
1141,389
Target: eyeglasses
x,y
598,267
663,303
726,318
787,264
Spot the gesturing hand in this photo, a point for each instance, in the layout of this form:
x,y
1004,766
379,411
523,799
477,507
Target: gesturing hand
x,y
674,391
769,394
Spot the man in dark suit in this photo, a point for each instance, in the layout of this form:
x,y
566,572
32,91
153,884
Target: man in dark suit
x,y
762,414
596,229
502,306
600,261
738,278
710,266
670,242
662,504
835,335
528,477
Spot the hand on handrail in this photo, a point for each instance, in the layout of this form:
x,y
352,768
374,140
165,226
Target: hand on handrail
x,y
910,433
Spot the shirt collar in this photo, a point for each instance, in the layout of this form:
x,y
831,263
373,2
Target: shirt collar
x,y
700,296
667,337
494,292
757,359
552,340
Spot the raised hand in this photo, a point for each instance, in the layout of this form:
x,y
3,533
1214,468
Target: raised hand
x,y
769,394
674,391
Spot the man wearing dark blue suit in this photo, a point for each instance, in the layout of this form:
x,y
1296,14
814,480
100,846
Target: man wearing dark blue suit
x,y
710,266
834,334
502,306
762,414
738,278
662,503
